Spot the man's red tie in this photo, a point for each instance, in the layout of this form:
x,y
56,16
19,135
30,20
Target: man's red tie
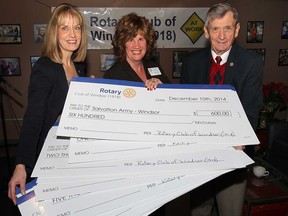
x,y
217,78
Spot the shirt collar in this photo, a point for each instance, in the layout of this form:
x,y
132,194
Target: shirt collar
x,y
224,56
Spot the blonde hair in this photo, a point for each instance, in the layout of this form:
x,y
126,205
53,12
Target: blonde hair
x,y
51,48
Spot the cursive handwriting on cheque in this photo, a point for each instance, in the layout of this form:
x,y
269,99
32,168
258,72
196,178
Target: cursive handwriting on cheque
x,y
196,133
177,161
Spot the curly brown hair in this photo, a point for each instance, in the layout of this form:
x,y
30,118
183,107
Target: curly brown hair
x,y
127,28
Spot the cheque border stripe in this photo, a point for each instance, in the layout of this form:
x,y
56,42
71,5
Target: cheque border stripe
x,y
141,84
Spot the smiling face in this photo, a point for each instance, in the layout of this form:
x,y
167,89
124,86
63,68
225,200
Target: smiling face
x,y
136,48
222,33
69,35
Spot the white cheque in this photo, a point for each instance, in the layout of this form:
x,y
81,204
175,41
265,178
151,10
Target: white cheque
x,y
94,150
122,110
53,161
104,201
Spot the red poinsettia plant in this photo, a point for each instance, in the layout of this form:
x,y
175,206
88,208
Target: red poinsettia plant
x,y
275,96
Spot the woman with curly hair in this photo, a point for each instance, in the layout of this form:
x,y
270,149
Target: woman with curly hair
x,y
133,43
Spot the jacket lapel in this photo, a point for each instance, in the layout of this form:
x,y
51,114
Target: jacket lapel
x,y
130,72
231,66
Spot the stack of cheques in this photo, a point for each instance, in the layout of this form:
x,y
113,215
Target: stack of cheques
x,y
122,150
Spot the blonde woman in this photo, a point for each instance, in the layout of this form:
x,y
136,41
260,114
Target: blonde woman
x,y
62,57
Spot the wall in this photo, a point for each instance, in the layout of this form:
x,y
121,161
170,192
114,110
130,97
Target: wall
x,y
29,12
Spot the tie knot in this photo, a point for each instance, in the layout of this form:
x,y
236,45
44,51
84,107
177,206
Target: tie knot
x,y
218,59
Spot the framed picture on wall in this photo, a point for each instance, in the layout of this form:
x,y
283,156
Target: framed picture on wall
x,y
283,57
107,60
10,34
177,62
261,52
39,32
284,32
10,66
255,30
33,59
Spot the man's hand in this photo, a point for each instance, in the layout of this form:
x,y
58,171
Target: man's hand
x,y
239,147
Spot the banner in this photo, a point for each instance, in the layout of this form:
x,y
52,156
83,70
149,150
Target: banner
x,y
174,27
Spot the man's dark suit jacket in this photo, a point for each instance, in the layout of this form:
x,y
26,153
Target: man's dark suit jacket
x,y
244,71
46,97
123,71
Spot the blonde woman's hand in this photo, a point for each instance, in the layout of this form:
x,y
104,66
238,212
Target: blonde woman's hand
x,y
18,178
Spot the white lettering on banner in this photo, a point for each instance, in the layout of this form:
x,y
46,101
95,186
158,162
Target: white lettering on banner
x,y
174,27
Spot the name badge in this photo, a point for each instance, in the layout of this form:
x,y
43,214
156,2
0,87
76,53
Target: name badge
x,y
154,71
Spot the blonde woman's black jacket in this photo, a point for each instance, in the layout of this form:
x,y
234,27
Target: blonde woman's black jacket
x,y
46,97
